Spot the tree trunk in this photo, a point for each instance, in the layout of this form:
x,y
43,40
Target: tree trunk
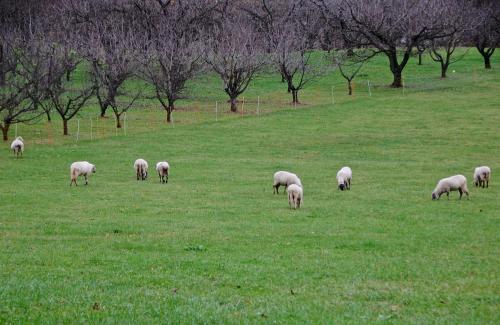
x,y
349,85
65,127
487,62
68,75
49,118
234,105
396,68
419,58
170,109
444,68
118,122
295,96
398,80
103,108
5,131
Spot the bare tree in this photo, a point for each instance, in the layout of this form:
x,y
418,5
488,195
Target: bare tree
x,y
234,54
456,18
349,63
486,35
112,54
15,106
393,28
172,50
66,97
286,28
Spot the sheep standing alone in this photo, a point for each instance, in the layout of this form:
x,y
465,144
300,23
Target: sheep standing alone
x,y
295,196
17,146
141,169
282,178
81,168
453,183
482,176
162,168
344,177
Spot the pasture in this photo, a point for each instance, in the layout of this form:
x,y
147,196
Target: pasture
x,y
214,245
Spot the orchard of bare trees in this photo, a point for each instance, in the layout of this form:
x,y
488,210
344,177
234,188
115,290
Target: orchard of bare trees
x,y
166,43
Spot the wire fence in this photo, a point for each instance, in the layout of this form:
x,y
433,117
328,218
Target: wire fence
x,y
148,117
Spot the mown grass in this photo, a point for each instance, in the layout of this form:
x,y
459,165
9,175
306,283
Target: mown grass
x,y
215,245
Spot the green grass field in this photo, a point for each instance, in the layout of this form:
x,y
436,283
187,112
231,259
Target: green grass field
x,y
215,245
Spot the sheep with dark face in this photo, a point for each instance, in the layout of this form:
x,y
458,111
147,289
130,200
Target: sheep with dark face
x,y
141,169
482,176
163,168
449,184
81,168
344,177
295,196
282,178
17,146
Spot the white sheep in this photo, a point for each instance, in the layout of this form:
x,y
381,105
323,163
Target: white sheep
x,y
344,177
141,169
295,196
81,168
282,178
482,176
452,183
17,146
162,168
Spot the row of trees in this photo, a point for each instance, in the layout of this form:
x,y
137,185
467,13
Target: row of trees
x,y
168,42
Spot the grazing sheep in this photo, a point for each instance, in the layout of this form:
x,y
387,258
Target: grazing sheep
x,y
162,168
482,176
17,146
81,168
453,183
295,196
344,177
141,169
286,179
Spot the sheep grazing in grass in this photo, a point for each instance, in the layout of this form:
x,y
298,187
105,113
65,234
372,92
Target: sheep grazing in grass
x,y
162,168
453,183
81,168
17,146
286,179
344,177
141,169
295,196
482,176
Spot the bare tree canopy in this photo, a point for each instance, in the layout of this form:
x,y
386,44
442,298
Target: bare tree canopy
x,y
172,51
234,53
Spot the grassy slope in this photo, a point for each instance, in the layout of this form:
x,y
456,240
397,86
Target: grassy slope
x,y
215,245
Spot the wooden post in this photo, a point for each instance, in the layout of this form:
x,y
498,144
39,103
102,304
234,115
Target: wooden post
x,y
258,106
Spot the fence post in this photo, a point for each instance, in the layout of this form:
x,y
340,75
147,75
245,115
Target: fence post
x,y
258,106
369,88
15,136
216,110
125,124
90,129
333,98
77,129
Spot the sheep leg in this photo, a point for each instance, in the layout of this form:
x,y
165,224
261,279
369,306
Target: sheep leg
x,y
298,202
448,194
290,199
461,192
275,189
86,180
